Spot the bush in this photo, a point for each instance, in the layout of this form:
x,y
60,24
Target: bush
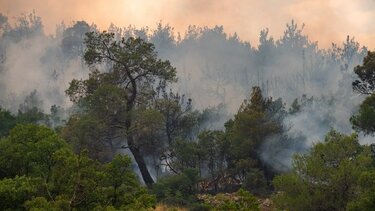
x,y
241,200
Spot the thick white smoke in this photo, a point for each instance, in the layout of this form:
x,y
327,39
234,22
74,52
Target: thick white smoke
x,y
213,68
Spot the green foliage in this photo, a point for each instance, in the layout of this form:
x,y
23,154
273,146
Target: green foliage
x,y
55,119
41,203
139,200
326,178
130,80
240,200
73,37
29,111
124,99
28,150
14,191
178,125
32,115
187,154
365,72
177,189
365,198
7,122
230,159
84,132
257,119
120,181
43,173
363,121
213,149
180,119
148,131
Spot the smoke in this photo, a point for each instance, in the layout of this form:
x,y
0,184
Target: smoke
x,y
33,64
327,20
213,68
315,117
33,61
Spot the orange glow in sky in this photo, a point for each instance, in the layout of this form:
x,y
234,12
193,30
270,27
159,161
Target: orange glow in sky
x,y
326,21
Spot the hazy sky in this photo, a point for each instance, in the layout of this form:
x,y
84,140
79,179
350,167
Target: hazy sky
x,y
326,20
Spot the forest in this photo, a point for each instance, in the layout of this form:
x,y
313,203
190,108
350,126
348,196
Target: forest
x,y
151,119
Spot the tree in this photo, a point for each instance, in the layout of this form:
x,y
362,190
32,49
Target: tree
x,y
28,150
365,84
179,116
326,178
30,110
213,147
40,171
27,25
72,43
133,74
365,197
7,122
257,119
85,132
212,153
177,188
363,120
4,25
180,123
15,191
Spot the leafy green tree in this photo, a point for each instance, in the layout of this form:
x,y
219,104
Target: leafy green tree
x,y
173,121
365,194
365,84
41,203
227,160
148,132
214,150
363,120
27,25
28,150
179,117
27,155
72,43
177,189
213,145
40,171
257,119
132,75
326,178
56,118
85,132
7,122
120,178
29,111
83,183
185,155
14,191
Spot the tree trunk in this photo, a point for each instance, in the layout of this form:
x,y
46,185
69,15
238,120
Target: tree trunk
x,y
133,148
140,162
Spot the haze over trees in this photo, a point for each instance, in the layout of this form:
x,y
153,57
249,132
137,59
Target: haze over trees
x,y
129,118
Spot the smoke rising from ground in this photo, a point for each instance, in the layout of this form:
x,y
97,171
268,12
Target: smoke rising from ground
x,y
213,68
